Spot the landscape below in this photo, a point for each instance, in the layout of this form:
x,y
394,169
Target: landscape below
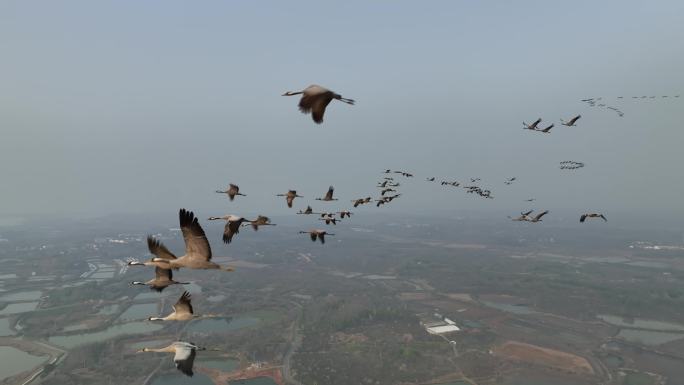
x,y
400,300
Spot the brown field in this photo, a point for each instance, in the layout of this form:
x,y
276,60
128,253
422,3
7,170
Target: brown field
x,y
519,351
463,297
413,296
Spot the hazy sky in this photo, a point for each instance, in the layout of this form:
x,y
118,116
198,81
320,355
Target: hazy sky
x,y
136,106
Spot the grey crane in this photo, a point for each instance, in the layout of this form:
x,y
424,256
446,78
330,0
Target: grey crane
x,y
197,249
315,99
232,191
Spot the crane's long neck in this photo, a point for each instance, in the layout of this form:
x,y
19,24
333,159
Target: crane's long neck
x,y
137,283
220,192
157,318
136,263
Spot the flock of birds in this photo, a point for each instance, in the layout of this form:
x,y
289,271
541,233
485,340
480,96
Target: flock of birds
x,y
314,100
570,165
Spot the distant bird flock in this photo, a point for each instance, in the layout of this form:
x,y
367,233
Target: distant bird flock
x,y
197,255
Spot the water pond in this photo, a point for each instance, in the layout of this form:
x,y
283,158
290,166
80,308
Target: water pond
x,y
641,323
180,379
113,331
150,295
21,307
639,379
226,365
32,295
108,310
140,311
149,344
14,361
648,337
5,329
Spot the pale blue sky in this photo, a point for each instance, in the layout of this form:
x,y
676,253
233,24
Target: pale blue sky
x,y
135,106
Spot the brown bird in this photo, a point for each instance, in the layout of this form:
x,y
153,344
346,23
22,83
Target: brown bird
x,y
197,249
233,223
385,191
344,213
523,216
592,215
391,197
232,191
163,278
329,220
538,217
308,211
532,126
328,196
315,99
184,357
547,129
316,233
571,122
260,221
361,201
157,249
182,310
290,196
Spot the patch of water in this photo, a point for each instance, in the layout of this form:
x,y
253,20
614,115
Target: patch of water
x,y
649,337
21,307
111,332
14,361
5,329
179,379
641,323
108,310
150,295
140,311
32,295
